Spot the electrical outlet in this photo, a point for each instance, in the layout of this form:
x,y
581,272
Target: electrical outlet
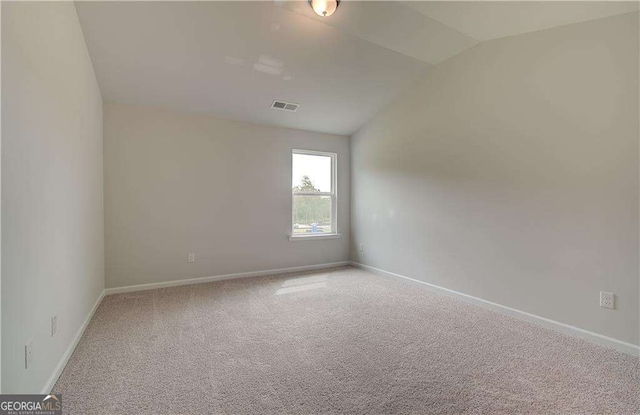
x,y
54,325
607,300
28,354
360,247
191,257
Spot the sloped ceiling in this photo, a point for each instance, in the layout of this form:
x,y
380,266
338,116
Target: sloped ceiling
x,y
232,59
486,20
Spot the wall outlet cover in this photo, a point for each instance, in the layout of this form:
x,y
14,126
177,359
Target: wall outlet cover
x,y
54,325
191,257
28,354
607,300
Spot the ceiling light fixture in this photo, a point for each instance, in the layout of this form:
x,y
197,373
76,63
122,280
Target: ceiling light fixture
x,y
324,8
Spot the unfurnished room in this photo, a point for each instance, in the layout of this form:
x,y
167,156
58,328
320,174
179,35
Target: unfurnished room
x,y
320,207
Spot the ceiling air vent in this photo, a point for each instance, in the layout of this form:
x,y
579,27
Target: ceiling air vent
x,y
285,106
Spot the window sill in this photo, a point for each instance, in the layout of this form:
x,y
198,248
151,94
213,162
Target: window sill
x,y
315,237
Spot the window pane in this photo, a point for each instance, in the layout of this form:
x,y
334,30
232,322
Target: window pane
x,y
311,215
311,173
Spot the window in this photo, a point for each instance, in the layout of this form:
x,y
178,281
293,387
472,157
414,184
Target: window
x,y
313,190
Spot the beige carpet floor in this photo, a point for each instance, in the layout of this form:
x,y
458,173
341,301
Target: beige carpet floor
x,y
339,341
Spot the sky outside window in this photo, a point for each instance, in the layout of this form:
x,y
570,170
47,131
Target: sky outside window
x,y
318,168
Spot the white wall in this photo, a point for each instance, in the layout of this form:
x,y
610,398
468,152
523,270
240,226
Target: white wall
x,y
0,200
177,183
510,173
52,203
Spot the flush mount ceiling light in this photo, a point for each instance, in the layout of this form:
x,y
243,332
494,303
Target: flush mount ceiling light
x,y
324,8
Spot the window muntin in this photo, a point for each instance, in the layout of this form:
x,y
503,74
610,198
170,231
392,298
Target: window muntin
x,y
313,190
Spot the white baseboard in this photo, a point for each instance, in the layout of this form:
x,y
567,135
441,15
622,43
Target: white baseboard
x,y
72,346
619,345
175,283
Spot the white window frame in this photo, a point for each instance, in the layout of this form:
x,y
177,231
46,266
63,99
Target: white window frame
x,y
333,194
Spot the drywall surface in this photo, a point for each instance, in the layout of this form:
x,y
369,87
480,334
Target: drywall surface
x,y
52,204
0,202
177,183
510,173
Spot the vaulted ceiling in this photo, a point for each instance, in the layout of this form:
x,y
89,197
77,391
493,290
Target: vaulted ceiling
x,y
232,59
